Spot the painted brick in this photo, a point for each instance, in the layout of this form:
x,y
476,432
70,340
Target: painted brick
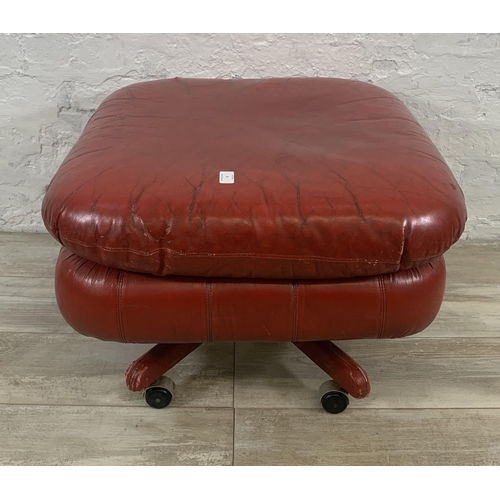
x,y
51,84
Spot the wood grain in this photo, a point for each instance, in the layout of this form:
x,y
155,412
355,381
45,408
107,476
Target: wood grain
x,y
367,437
467,311
76,370
435,396
28,254
27,288
83,435
473,263
29,305
405,373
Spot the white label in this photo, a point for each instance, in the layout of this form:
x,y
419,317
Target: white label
x,y
226,177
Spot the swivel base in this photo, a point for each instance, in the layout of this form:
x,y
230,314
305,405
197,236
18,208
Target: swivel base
x,y
145,374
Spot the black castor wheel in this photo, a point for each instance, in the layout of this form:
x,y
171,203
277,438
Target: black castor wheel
x,y
333,398
158,397
160,394
334,402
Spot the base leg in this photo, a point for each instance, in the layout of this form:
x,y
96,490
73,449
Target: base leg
x,y
338,365
152,365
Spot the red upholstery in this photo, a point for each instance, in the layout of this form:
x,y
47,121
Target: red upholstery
x,y
333,178
334,227
129,307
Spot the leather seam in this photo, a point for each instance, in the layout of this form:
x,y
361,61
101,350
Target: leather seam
x,y
295,309
209,301
427,257
383,305
211,255
242,254
119,308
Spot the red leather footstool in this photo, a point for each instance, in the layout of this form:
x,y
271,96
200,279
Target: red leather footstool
x,y
298,210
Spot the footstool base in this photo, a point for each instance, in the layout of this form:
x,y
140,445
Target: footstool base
x,y
157,361
340,366
146,372
333,226
111,304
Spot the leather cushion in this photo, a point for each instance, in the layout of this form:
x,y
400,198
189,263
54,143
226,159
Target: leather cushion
x,y
333,178
116,305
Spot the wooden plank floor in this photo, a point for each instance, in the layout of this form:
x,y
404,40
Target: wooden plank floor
x,y
435,396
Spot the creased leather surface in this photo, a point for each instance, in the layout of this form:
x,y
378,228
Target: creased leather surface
x,y
333,178
116,305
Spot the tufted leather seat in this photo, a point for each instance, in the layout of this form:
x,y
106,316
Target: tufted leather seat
x,y
333,179
116,305
333,227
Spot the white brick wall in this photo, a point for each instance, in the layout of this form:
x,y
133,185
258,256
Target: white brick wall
x,y
51,84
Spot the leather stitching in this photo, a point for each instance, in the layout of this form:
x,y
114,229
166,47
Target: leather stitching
x,y
211,255
119,308
383,305
423,259
209,300
295,308
243,254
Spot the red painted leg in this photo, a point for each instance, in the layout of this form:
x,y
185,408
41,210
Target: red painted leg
x,y
152,365
338,365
